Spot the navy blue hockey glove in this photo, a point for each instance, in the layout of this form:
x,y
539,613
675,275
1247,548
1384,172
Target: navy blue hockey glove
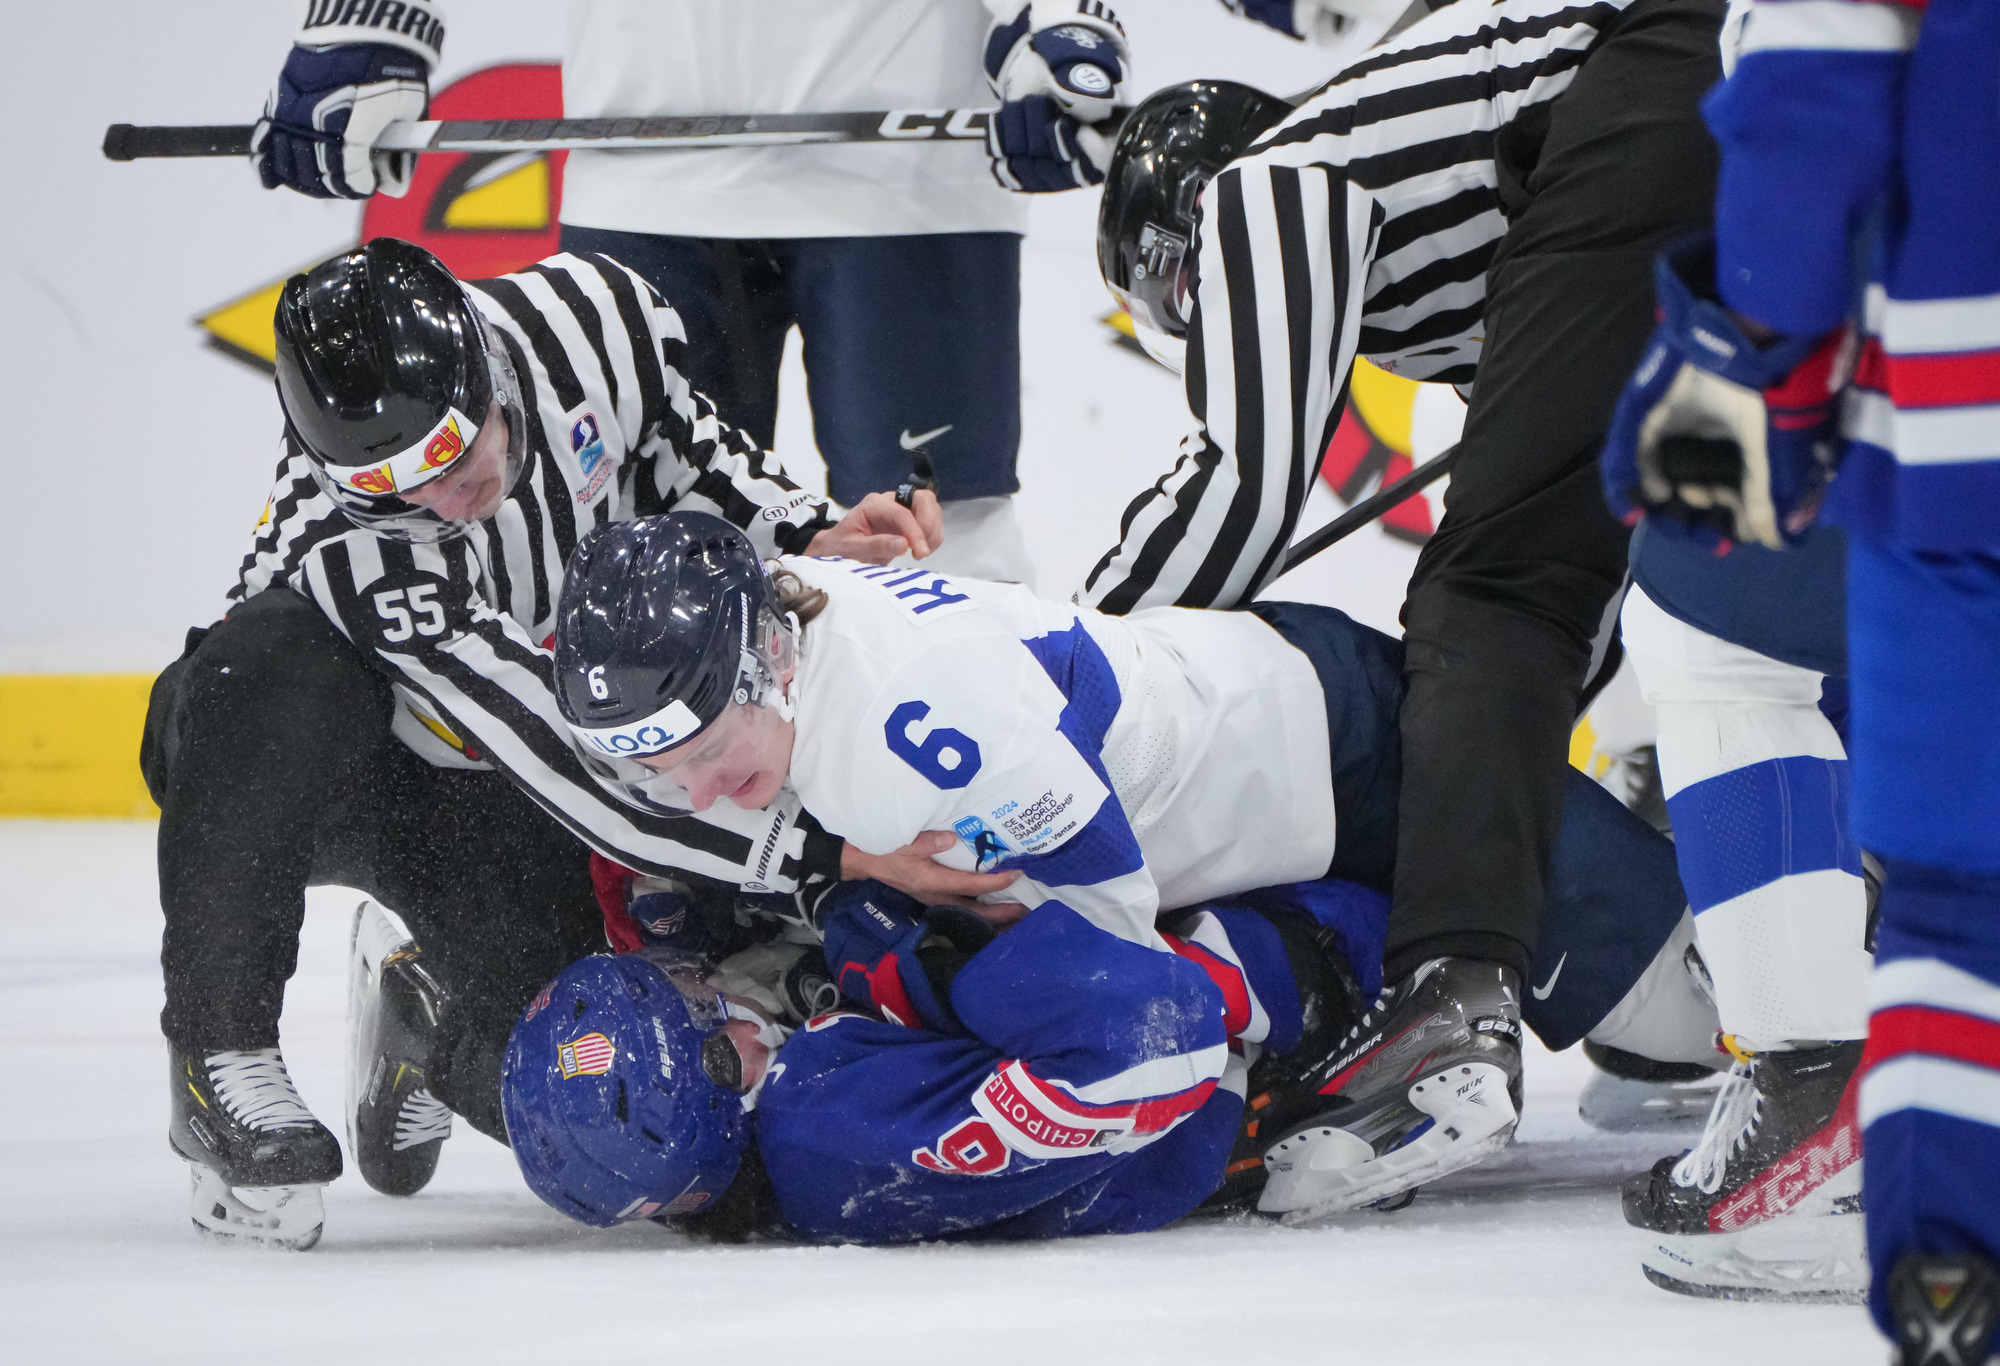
x,y
342,84
1715,435
888,951
1057,68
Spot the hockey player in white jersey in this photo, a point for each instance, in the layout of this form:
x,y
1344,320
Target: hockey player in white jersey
x,y
899,264
374,710
1117,767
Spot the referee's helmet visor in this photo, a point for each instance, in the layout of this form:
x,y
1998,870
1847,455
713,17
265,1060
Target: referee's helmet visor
x,y
1168,150
386,374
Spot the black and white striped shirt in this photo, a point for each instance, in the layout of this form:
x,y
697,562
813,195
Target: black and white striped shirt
x,y
1361,225
614,432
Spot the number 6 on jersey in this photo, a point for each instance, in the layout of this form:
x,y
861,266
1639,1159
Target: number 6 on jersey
x,y
947,758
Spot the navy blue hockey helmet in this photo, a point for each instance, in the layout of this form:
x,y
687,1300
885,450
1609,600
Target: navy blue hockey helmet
x,y
664,624
1169,147
611,1109
386,374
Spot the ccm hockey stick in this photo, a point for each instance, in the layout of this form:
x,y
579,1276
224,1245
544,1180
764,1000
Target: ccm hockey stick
x,y
1368,509
127,142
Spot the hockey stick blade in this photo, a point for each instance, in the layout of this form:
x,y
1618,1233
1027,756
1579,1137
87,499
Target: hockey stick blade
x,y
127,142
1368,509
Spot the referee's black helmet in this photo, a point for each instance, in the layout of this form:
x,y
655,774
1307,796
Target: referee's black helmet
x,y
1171,145
386,373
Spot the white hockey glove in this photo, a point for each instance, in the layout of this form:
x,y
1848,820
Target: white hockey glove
x,y
1058,66
342,84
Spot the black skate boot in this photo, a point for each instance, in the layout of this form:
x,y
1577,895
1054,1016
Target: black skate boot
x,y
1330,1002
257,1155
1767,1206
1425,1083
396,1125
1946,1309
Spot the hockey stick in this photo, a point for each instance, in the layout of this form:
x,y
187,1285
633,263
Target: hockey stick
x,y
127,142
1368,509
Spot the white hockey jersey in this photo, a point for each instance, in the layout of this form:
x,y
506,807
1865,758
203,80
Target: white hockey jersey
x,y
1125,765
656,57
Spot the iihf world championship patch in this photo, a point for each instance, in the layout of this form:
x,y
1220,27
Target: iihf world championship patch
x,y
589,1056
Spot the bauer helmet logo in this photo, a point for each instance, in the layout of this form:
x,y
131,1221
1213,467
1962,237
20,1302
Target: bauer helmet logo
x,y
589,1056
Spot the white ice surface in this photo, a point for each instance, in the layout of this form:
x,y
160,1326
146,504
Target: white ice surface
x,y
1524,1260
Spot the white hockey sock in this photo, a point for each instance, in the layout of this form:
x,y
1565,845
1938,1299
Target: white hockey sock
x,y
1755,778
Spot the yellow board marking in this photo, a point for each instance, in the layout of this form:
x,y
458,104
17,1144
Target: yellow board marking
x,y
69,745
516,200
1387,403
1582,743
245,325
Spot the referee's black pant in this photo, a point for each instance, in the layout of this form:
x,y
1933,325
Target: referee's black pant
x,y
267,746
1509,593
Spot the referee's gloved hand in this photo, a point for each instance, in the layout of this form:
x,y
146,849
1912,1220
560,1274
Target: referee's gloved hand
x,y
1057,71
1718,434
342,84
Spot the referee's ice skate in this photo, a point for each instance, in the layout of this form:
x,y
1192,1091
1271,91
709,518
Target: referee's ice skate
x,y
1427,1083
396,1125
257,1156
1768,1205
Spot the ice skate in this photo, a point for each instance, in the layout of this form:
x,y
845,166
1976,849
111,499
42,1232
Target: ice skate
x,y
1425,1084
1946,1310
1628,1094
1276,1088
396,1125
1767,1206
258,1157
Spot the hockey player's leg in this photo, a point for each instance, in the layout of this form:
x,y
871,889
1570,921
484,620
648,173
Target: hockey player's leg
x,y
1925,648
491,898
916,341
1767,1204
728,292
252,748
396,1125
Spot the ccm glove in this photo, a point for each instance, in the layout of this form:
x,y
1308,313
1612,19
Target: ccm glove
x,y
1715,433
1058,68
1318,21
341,85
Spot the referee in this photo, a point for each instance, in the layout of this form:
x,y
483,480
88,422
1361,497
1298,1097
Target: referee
x,y
1478,203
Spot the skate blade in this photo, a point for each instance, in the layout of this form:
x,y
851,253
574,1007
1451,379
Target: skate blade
x,y
1801,1259
1615,1105
286,1218
1322,1176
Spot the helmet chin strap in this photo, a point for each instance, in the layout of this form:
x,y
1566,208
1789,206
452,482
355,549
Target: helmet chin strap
x,y
767,688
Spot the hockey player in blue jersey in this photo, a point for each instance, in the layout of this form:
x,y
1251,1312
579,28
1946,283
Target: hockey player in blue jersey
x,y
1850,131
1126,767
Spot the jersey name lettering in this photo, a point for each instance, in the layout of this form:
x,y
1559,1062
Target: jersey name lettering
x,y
923,594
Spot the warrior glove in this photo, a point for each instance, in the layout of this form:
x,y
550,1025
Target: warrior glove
x,y
1716,433
341,86
1058,68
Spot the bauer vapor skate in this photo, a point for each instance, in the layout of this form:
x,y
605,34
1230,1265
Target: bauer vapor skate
x,y
257,1156
396,1125
1945,1309
1426,1083
1767,1206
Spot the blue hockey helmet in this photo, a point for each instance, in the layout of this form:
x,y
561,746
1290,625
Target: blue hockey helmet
x,y
611,1110
664,624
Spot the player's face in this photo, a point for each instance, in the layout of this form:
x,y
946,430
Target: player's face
x,y
473,490
744,756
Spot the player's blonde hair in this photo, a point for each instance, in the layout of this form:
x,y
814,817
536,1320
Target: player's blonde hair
x,y
790,593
